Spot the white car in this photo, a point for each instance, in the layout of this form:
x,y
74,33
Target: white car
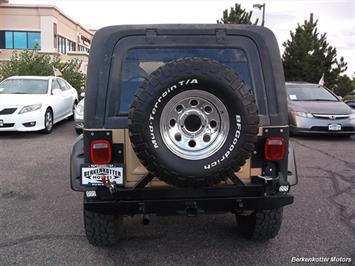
x,y
33,103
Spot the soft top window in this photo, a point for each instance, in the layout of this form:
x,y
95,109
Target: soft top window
x,y
141,62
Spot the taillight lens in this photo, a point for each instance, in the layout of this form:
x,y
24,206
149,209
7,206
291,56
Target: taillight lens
x,y
274,148
100,152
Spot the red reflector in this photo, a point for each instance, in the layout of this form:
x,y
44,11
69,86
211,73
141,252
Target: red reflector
x,y
100,152
274,148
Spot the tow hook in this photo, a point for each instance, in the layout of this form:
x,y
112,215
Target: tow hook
x,y
270,183
265,178
110,185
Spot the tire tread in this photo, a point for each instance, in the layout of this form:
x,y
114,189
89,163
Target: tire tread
x,y
174,69
102,229
261,225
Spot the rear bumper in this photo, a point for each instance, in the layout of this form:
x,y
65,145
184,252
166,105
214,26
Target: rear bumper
x,y
182,202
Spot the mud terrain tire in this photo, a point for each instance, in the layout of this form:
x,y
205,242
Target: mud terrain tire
x,y
193,122
102,229
260,225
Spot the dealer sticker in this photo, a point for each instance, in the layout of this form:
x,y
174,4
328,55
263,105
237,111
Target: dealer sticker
x,y
97,175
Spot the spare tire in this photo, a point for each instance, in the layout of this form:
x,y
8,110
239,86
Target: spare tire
x,y
193,122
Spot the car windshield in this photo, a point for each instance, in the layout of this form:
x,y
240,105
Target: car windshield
x,y
309,92
24,86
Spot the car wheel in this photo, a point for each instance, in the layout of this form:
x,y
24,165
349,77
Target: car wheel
x,y
48,122
102,229
73,110
195,113
261,225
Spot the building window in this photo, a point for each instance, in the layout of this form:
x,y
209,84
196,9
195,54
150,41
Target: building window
x,y
65,45
83,49
61,45
71,46
20,40
34,40
9,40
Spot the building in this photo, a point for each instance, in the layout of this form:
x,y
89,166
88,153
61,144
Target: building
x,y
43,28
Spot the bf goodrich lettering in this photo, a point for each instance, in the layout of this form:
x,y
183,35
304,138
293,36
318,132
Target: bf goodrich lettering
x,y
231,147
156,105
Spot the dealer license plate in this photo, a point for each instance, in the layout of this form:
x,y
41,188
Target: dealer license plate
x,y
334,127
96,175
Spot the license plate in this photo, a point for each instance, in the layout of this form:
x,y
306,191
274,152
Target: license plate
x,y
97,175
1,123
334,127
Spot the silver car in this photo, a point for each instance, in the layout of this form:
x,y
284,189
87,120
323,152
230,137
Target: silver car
x,y
79,117
313,109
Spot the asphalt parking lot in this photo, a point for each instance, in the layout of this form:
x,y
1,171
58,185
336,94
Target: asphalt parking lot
x,y
41,218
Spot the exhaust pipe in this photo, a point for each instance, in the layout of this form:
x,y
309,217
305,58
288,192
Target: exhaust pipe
x,y
145,220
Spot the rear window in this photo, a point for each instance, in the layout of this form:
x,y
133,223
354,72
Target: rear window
x,y
141,62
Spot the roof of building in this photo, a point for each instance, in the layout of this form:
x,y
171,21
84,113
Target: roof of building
x,y
8,5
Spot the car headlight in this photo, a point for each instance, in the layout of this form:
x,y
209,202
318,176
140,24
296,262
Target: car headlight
x,y
79,109
302,114
30,108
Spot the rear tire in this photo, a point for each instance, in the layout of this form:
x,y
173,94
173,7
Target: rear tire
x,y
260,225
102,229
195,113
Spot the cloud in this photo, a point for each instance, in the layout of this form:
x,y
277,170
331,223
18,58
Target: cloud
x,y
274,18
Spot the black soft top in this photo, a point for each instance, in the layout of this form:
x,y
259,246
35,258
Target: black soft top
x,y
106,39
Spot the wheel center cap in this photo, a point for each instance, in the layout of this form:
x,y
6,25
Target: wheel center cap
x,y
192,123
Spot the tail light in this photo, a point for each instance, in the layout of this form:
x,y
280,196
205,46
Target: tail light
x,y
274,148
100,152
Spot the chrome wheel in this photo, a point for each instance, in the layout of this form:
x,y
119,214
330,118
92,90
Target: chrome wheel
x,y
48,121
194,124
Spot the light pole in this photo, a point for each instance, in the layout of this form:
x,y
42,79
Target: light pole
x,y
259,6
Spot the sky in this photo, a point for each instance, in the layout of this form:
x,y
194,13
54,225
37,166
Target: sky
x,y
335,17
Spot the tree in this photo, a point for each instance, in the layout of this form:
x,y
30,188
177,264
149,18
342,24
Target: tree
x,y
31,63
308,55
237,15
344,86
71,73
